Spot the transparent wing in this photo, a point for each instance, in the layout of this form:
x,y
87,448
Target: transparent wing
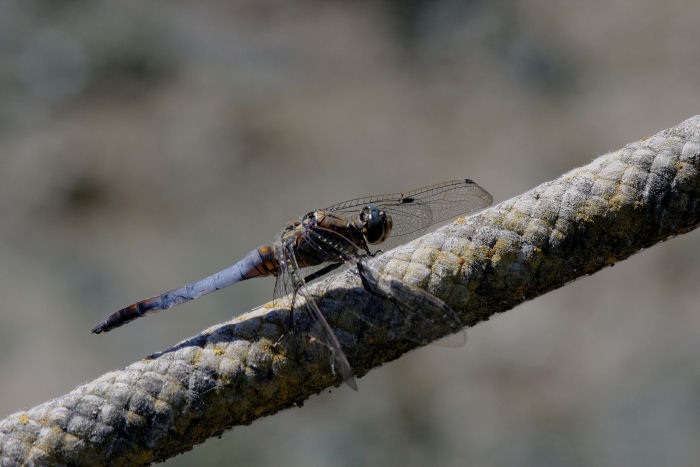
x,y
412,212
419,316
284,289
290,280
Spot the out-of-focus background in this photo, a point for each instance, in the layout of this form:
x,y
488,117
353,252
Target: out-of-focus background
x,y
147,144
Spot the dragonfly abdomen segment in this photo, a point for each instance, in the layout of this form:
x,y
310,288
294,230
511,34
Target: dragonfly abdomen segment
x,y
259,262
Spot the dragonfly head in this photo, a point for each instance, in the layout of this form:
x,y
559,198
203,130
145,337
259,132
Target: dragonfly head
x,y
374,224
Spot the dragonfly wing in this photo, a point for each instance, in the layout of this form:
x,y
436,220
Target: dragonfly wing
x,y
452,191
412,212
284,289
320,329
421,317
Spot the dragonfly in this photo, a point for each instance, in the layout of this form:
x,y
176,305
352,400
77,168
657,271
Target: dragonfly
x,y
324,240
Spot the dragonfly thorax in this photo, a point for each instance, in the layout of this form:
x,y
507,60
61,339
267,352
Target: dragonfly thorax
x,y
374,224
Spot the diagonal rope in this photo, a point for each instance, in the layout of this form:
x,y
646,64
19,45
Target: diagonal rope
x,y
235,372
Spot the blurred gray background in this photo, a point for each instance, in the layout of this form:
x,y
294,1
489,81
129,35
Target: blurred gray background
x,y
144,145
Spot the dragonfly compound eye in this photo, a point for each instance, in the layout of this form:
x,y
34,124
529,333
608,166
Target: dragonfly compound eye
x,y
376,225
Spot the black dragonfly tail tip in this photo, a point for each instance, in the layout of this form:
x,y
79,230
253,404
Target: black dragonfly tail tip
x,y
126,315
113,321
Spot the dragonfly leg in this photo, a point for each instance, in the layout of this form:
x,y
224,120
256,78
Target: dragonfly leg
x,y
369,288
365,283
321,272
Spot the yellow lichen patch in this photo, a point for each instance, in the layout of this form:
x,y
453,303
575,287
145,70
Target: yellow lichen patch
x,y
458,221
515,220
478,253
279,304
590,210
218,351
619,200
503,250
646,138
197,358
502,246
444,258
23,419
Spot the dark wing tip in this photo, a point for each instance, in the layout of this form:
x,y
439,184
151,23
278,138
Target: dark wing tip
x,y
488,197
98,329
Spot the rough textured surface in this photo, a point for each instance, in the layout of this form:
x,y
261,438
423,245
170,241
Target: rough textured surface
x,y
235,372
